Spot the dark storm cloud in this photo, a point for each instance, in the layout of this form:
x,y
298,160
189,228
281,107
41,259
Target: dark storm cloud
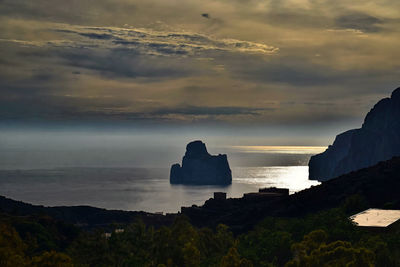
x,y
58,108
295,19
36,108
319,103
132,53
49,60
124,63
101,36
289,71
42,87
359,21
302,73
263,61
190,113
45,107
45,95
61,109
77,11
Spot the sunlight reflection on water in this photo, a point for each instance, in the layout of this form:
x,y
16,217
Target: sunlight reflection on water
x,y
138,189
106,182
293,177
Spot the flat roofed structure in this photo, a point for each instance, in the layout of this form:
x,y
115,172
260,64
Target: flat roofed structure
x,y
283,191
261,195
219,195
376,218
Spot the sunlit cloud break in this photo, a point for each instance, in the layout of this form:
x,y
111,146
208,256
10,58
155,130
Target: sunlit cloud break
x,y
145,41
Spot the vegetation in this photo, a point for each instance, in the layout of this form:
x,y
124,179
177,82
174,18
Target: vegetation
x,y
326,238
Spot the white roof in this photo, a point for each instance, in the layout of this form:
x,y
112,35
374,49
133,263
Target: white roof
x,y
376,217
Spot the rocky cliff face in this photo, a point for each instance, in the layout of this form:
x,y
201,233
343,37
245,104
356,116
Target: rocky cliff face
x,y
199,167
378,139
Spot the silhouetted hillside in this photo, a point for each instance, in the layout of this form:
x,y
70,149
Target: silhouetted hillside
x,y
376,186
378,139
84,216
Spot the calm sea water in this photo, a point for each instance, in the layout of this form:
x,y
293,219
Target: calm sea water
x,y
148,189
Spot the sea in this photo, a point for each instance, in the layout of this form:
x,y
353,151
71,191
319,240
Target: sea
x,y
100,179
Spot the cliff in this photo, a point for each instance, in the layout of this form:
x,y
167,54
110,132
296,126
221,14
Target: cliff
x,y
199,167
377,140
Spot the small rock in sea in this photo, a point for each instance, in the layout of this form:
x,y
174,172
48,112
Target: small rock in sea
x,y
199,167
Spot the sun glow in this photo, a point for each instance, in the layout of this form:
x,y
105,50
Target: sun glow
x,y
281,149
295,178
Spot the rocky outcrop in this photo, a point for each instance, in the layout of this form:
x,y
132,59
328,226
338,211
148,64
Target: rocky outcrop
x,y
199,167
377,140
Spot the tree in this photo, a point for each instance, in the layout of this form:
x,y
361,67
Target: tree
x,y
52,259
191,255
233,259
12,248
313,251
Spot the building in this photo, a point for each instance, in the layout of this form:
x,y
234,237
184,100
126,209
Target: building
x,y
282,191
267,193
219,195
377,219
261,196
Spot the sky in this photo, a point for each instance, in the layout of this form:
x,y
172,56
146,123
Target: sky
x,y
253,72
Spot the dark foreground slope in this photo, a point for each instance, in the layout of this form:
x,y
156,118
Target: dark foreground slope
x,y
378,139
376,186
85,216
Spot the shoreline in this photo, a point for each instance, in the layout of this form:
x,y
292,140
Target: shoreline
x,y
240,213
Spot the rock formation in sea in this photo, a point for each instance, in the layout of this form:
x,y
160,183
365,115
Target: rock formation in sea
x,y
199,167
378,139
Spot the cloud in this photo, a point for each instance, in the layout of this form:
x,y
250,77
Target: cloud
x,y
359,21
124,63
185,113
286,61
130,52
291,71
102,36
146,41
196,110
53,108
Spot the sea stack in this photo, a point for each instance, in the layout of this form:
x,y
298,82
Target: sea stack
x,y
199,167
377,140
